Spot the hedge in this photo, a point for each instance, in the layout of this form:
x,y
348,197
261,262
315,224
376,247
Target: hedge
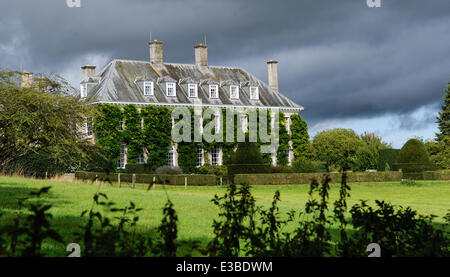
x,y
414,167
305,178
234,169
427,175
192,180
138,168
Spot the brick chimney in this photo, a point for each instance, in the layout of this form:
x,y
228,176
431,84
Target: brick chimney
x,y
88,71
273,74
201,54
27,79
156,51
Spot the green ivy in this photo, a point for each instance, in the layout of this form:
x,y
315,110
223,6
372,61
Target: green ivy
x,y
283,146
155,136
106,130
132,135
157,133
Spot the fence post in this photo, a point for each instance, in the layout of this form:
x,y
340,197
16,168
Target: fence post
x,y
185,182
118,179
154,182
220,181
133,180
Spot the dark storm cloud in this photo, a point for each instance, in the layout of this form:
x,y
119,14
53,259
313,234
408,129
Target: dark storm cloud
x,y
339,59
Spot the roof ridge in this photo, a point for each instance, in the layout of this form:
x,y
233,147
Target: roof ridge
x,y
173,63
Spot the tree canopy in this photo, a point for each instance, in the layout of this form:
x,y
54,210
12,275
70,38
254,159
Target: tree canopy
x,y
413,151
41,121
337,147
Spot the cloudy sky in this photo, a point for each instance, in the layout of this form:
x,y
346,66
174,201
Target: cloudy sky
x,y
379,70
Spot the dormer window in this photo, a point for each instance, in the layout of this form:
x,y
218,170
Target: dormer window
x,y
234,92
83,90
213,91
148,88
193,91
254,93
171,89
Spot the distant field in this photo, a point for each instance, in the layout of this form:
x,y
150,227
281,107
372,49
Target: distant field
x,y
193,205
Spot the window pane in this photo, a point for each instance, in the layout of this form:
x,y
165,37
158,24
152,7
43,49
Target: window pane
x,y
215,156
199,156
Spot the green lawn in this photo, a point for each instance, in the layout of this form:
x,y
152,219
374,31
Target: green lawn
x,y
193,205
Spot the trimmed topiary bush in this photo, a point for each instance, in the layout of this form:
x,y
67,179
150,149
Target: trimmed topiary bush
x,y
414,151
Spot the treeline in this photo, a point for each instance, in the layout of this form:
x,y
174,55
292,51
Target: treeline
x,y
241,229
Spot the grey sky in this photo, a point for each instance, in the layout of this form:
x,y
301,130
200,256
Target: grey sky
x,y
347,64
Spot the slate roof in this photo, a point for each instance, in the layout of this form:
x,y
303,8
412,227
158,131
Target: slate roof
x,y
121,81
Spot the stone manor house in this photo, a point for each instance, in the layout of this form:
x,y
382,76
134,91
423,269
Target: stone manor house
x,y
155,82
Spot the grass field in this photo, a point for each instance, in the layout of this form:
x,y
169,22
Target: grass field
x,y
193,205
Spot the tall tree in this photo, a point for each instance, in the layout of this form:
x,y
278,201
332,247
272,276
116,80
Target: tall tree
x,y
300,137
337,147
443,120
441,151
41,120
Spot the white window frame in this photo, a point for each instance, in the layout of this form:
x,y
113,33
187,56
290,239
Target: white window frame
x,y
195,87
171,156
244,121
122,163
171,85
216,156
121,124
211,87
200,156
237,92
89,127
256,90
218,119
83,90
288,124
142,159
148,88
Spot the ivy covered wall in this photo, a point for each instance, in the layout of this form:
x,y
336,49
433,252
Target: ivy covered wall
x,y
155,136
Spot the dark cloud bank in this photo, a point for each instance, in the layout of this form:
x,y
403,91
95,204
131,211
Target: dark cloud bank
x,y
339,59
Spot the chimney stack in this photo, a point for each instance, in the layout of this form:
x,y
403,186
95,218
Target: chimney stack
x,y
88,71
201,54
156,51
273,74
27,79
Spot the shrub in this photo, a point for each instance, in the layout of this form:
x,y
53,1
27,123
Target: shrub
x,y
170,170
138,168
247,153
414,151
276,169
303,165
386,158
366,158
218,170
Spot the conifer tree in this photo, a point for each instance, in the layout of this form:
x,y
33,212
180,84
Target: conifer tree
x,y
443,120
